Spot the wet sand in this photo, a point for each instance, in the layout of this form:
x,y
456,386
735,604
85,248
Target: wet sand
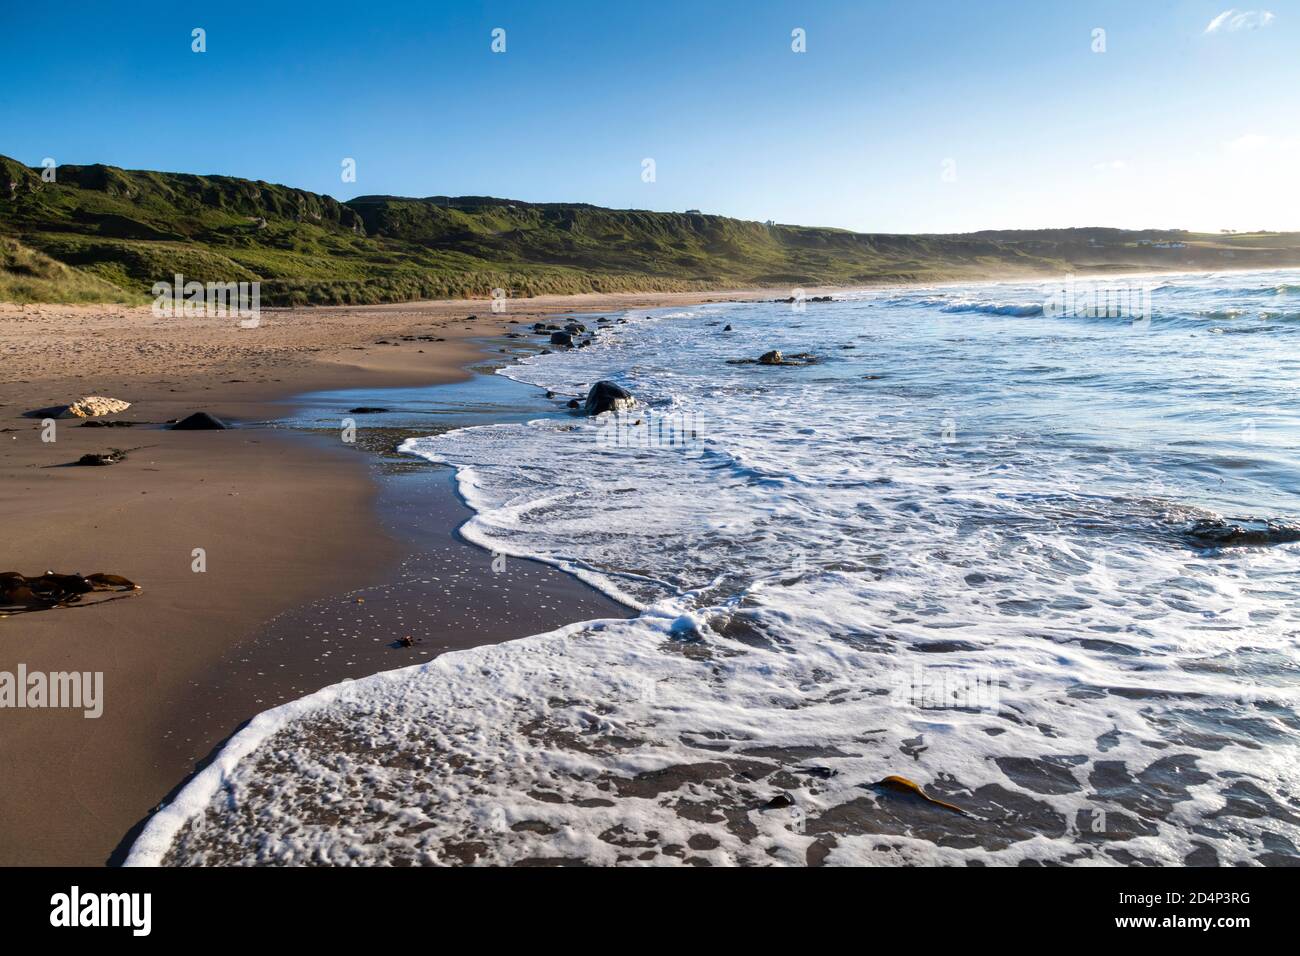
x,y
288,524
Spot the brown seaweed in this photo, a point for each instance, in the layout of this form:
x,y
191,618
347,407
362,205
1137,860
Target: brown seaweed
x,y
19,593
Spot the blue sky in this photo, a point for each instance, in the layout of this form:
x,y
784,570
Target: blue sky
x,y
907,116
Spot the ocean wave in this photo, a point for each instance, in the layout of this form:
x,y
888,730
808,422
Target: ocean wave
x,y
997,308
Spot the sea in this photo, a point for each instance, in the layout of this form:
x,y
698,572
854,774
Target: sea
x,y
983,574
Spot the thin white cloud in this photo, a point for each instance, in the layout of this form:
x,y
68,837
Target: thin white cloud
x,y
1251,143
1230,21
1265,148
1113,164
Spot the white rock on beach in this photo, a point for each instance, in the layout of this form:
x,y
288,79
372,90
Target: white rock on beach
x,y
93,406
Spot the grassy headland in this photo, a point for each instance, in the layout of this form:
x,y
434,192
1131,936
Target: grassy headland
x,y
100,233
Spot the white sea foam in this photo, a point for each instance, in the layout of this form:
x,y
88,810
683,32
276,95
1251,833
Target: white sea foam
x,y
952,552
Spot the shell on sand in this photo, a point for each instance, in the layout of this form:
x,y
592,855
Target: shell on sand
x,y
93,406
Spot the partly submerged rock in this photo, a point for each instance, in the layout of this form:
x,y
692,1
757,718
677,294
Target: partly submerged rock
x,y
562,338
779,802
1239,532
727,328
199,421
775,357
608,397
361,410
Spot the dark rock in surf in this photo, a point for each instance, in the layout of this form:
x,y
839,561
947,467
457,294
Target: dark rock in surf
x,y
1240,532
608,397
727,328
574,403
775,357
562,338
199,421
366,410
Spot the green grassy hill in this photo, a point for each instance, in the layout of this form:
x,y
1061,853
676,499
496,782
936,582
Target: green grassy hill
x,y
30,276
107,234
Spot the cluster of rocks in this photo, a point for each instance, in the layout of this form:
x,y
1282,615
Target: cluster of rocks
x,y
604,396
571,335
812,298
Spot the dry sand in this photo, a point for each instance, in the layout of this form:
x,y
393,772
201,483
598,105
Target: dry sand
x,y
286,520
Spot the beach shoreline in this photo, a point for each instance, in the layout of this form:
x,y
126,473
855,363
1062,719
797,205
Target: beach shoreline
x,y
195,654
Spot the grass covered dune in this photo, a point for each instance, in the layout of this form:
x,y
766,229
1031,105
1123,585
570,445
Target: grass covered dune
x,y
103,234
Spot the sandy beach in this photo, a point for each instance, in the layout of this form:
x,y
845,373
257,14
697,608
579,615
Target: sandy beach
x,y
284,518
